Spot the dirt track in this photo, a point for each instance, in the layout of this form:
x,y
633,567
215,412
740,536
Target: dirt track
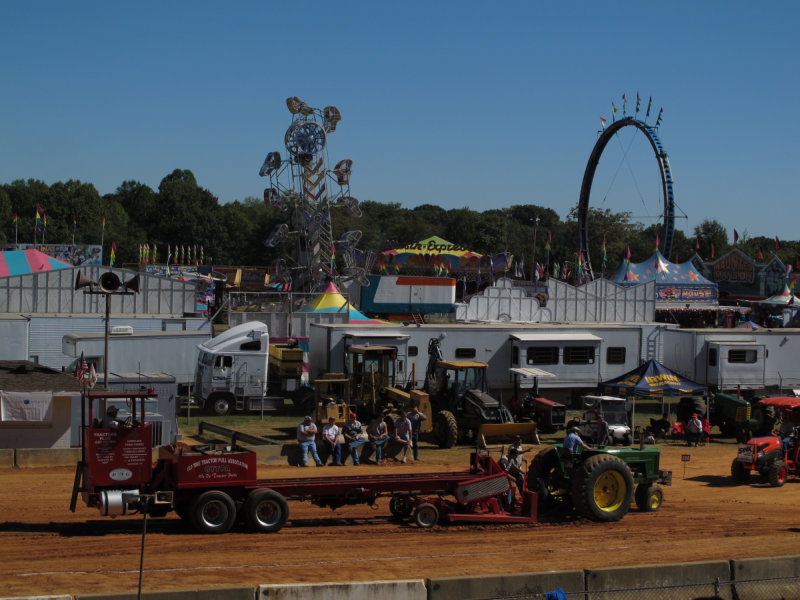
x,y
45,549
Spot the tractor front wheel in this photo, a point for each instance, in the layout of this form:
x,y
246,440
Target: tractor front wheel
x,y
649,497
738,471
427,515
602,488
777,473
445,429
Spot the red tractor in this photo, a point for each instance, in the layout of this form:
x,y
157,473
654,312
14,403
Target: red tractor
x,y
775,457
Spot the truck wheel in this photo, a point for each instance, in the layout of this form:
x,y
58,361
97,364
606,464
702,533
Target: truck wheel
x,y
400,506
265,511
602,488
213,512
739,473
219,405
426,516
626,439
542,477
777,473
445,429
649,497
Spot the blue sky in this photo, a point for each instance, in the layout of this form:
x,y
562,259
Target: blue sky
x,y
459,104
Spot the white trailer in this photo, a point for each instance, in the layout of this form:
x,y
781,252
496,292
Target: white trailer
x,y
729,359
581,356
129,351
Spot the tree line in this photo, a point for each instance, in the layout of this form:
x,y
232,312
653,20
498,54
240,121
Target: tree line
x,y
181,213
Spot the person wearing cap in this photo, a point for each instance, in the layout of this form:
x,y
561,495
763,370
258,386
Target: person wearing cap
x,y
306,434
353,436
402,433
416,417
573,441
694,430
511,463
330,435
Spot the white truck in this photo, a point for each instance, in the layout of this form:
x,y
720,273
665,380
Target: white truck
x,y
129,351
240,370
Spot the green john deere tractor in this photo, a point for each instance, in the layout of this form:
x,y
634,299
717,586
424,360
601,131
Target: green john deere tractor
x,y
601,483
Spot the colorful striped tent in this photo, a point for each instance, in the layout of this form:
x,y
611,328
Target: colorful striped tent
x,y
332,301
23,262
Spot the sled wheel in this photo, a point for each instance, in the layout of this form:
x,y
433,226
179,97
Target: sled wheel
x,y
265,511
649,497
400,506
445,429
213,512
602,488
738,471
426,515
777,473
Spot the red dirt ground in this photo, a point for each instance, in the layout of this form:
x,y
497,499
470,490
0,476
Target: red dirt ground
x,y
45,549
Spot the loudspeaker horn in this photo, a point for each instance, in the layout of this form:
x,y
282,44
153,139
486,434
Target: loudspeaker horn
x,y
81,281
109,282
133,284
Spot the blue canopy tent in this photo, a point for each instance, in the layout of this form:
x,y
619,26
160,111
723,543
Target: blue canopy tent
x,y
649,380
652,379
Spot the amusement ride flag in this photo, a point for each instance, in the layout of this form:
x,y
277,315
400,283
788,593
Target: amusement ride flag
x,y
735,237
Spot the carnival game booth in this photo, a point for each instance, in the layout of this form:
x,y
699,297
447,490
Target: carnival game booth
x,y
654,380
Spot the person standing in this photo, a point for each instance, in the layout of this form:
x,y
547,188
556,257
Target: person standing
x,y
330,435
353,436
402,433
602,431
306,434
378,436
416,417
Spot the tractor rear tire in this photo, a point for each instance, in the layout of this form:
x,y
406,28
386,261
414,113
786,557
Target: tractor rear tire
x,y
777,473
445,429
649,497
213,512
602,488
738,472
265,511
542,477
765,418
426,515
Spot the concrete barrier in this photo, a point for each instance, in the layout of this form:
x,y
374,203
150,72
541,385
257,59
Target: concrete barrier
x,y
413,589
499,586
766,578
667,582
237,593
6,458
47,457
